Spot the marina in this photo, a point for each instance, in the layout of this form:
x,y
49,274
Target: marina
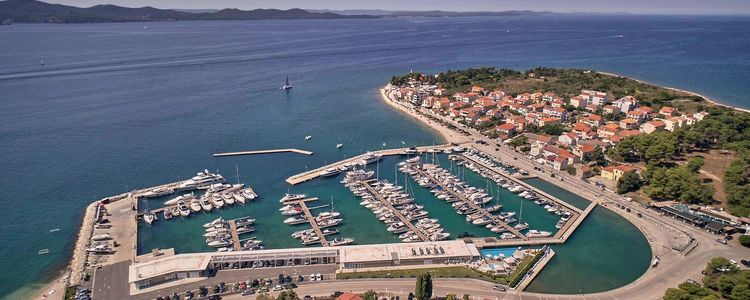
x,y
302,203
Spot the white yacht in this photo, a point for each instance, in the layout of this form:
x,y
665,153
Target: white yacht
x,y
184,209
205,205
149,217
157,192
340,241
292,197
330,172
195,205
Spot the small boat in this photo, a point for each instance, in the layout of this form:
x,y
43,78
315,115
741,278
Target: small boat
x,y
340,241
249,194
308,137
195,205
238,197
157,192
286,85
149,217
183,208
219,243
330,172
43,251
214,223
205,205
292,197
338,146
167,213
101,237
295,220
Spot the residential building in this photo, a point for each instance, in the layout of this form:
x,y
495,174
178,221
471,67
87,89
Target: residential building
x,y
652,126
614,173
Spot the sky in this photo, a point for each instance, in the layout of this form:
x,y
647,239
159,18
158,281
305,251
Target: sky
x,y
711,7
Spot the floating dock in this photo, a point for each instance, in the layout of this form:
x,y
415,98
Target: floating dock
x,y
310,218
235,237
312,174
292,150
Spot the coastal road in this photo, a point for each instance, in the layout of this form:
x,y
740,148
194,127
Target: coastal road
x,y
662,232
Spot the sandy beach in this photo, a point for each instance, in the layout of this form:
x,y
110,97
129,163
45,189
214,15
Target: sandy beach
x,y
448,135
712,101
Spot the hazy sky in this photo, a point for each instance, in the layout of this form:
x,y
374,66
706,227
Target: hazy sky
x,y
630,6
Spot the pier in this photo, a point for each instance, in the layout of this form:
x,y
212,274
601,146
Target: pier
x,y
397,213
495,219
235,237
312,174
311,219
253,152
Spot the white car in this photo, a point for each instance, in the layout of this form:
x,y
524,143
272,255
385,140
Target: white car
x,y
312,277
318,277
731,261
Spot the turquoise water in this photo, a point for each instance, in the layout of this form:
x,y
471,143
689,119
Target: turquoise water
x,y
502,252
118,107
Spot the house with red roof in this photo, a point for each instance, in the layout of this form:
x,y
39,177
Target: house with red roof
x,y
477,89
653,126
508,129
637,115
548,121
668,112
628,123
592,120
579,102
611,109
556,112
497,94
569,139
608,130
584,152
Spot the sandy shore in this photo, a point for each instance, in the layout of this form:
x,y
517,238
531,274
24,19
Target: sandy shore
x,y
448,135
712,101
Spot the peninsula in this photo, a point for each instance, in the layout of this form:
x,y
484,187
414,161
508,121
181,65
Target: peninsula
x,y
560,125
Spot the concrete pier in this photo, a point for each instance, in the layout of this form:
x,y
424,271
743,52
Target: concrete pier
x,y
252,152
235,237
315,173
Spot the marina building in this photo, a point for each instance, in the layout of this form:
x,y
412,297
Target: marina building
x,y
176,269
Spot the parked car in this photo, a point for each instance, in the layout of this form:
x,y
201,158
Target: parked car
x,y
498,287
318,277
278,288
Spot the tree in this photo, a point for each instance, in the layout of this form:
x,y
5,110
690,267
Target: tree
x,y
287,295
571,170
450,297
554,129
263,296
630,181
598,156
465,297
423,290
694,164
370,295
745,240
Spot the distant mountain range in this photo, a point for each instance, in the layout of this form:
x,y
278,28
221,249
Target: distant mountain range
x,y
32,11
433,13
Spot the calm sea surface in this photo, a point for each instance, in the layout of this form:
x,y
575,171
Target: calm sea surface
x,y
121,106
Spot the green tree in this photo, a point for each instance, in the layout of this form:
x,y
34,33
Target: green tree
x,y
423,290
571,170
370,295
694,164
745,240
554,129
629,182
450,297
263,296
287,295
465,297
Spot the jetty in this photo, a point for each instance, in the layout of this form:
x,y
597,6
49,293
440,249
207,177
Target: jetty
x,y
252,152
315,173
310,218
235,237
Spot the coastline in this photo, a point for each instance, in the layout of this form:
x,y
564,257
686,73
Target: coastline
x,y
709,100
448,135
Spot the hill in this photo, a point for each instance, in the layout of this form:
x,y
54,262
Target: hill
x,y
32,11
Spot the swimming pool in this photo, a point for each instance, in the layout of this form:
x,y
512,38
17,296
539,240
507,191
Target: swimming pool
x,y
503,252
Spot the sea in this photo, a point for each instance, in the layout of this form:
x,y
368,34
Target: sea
x,y
92,110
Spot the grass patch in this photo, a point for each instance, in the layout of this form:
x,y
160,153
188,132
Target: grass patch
x,y
445,272
515,277
70,292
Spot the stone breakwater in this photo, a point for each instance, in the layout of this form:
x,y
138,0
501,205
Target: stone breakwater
x,y
80,255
